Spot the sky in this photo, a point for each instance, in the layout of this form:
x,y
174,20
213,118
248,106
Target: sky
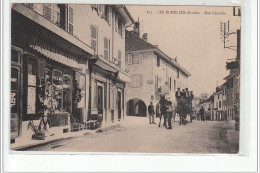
x,y
192,34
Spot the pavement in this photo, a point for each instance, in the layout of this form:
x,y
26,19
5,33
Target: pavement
x,y
135,134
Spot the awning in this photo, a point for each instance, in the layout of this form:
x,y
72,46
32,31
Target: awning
x,y
105,66
123,77
57,57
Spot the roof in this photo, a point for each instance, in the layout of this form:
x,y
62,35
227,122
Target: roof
x,y
135,43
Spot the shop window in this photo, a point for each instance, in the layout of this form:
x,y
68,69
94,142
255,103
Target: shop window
x,y
31,86
58,90
67,84
14,90
81,78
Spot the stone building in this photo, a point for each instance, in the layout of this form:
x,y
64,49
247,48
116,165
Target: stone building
x,y
67,63
153,74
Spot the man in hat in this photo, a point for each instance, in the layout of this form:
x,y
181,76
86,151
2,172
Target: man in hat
x,y
186,93
163,107
151,113
178,94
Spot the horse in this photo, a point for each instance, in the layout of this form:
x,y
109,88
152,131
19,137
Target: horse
x,y
183,108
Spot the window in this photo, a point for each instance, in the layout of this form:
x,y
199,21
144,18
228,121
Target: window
x,y
120,27
116,21
108,14
219,104
93,30
158,61
70,23
218,96
81,78
178,73
141,58
135,59
106,48
174,85
31,85
119,59
137,81
29,5
231,82
130,58
47,8
170,83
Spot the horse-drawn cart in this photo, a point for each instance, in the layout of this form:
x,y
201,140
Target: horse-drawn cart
x,y
183,109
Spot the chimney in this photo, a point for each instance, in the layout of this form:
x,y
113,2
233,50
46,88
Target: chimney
x,y
136,28
144,37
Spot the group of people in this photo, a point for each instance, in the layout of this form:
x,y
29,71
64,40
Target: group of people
x,y
165,108
185,94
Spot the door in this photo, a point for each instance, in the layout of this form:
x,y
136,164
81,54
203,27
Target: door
x,y
100,100
15,101
119,105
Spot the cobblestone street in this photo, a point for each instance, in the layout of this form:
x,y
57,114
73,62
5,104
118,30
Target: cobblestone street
x,y
135,134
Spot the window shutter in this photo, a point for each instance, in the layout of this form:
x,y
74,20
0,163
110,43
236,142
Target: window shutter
x,y
116,21
70,20
102,11
94,6
110,14
106,48
141,80
130,57
141,58
47,11
99,9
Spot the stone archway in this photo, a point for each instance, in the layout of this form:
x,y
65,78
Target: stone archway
x,y
136,107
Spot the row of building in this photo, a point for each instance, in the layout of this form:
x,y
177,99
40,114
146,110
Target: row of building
x,y
224,103
71,61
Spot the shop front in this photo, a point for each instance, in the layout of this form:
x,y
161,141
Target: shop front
x,y
107,91
48,80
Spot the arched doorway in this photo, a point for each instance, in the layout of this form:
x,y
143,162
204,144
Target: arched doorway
x,y
136,107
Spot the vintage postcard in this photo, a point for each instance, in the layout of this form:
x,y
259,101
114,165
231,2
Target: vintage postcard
x,y
125,78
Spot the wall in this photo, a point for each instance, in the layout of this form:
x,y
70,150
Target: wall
x,y
146,69
91,17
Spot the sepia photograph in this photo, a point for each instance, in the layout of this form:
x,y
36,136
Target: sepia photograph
x,y
121,78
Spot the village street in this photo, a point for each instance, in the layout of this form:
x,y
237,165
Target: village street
x,y
135,134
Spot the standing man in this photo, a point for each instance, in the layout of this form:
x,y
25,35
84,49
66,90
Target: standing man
x,y
170,114
163,107
202,113
186,94
151,113
178,94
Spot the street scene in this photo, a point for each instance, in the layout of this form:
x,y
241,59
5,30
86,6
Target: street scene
x,y
136,135
125,78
